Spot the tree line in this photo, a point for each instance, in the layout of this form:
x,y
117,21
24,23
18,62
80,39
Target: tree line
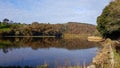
x,y
44,29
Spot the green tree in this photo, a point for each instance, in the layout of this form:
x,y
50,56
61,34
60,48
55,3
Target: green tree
x,y
108,23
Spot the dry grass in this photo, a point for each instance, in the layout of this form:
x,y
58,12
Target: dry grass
x,y
95,38
117,59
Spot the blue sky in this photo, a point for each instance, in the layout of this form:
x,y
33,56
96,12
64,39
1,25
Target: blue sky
x,y
52,11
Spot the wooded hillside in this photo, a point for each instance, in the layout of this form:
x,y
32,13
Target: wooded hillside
x,y
42,29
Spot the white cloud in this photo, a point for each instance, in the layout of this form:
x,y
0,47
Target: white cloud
x,y
53,11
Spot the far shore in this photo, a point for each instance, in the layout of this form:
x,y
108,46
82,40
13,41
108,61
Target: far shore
x,y
29,36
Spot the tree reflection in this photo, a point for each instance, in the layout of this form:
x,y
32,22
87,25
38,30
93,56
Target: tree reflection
x,y
8,44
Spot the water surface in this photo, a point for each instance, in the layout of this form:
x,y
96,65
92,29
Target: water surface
x,y
51,51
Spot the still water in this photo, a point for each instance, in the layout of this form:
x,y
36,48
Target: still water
x,y
39,51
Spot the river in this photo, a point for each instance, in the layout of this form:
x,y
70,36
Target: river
x,y
51,51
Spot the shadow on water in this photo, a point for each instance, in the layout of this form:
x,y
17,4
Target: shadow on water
x,y
37,51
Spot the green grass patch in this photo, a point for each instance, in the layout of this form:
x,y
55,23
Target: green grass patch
x,y
8,27
116,59
5,29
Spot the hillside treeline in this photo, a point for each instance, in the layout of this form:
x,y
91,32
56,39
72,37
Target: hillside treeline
x,y
34,30
42,29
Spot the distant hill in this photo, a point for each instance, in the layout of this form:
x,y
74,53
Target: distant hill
x,y
80,28
41,29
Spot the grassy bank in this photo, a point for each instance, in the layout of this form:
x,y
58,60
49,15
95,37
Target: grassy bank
x,y
117,59
105,57
108,56
5,29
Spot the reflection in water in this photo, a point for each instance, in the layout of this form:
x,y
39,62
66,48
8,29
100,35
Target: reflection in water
x,y
37,51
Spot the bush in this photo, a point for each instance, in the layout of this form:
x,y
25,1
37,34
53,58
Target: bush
x,y
108,23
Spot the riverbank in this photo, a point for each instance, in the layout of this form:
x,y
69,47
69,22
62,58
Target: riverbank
x,y
107,57
30,37
95,39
